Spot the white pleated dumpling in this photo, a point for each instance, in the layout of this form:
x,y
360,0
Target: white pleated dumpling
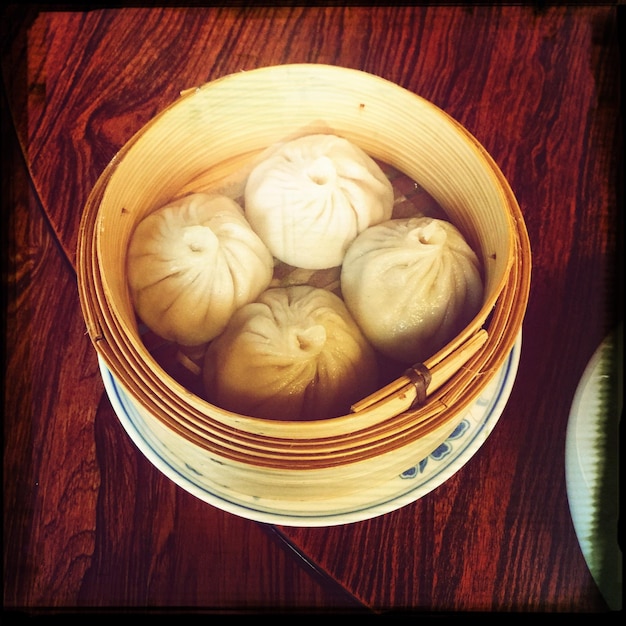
x,y
412,285
191,264
313,196
294,354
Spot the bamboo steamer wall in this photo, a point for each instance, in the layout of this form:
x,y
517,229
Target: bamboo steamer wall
x,y
209,139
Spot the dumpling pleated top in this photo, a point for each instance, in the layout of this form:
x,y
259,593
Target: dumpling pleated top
x,y
411,284
294,354
191,264
312,196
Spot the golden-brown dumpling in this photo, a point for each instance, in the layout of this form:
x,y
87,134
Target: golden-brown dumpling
x,y
294,354
310,198
191,264
412,285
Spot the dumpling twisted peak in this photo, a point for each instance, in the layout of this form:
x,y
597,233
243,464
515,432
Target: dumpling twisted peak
x,y
311,197
295,353
411,284
191,264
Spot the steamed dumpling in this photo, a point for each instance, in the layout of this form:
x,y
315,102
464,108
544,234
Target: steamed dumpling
x,y
412,285
295,353
313,196
191,264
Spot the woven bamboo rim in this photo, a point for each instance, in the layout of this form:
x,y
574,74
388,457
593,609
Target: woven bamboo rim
x,y
292,98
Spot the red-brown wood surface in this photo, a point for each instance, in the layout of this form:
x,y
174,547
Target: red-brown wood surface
x,y
90,522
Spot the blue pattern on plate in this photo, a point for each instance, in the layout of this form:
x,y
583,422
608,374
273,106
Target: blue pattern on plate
x,y
439,453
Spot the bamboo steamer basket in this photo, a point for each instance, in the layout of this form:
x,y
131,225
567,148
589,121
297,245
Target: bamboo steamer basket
x,y
208,140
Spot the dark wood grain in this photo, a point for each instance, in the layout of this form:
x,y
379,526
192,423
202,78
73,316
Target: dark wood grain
x,y
93,524
486,539
89,522
491,527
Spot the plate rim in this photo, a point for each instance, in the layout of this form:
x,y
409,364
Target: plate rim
x,y
583,461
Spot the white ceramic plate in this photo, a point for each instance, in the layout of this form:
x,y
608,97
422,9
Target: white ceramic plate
x,y
414,483
585,455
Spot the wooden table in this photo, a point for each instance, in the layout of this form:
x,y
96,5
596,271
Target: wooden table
x,y
89,522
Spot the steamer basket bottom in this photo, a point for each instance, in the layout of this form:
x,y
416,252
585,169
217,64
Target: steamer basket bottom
x,y
345,500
